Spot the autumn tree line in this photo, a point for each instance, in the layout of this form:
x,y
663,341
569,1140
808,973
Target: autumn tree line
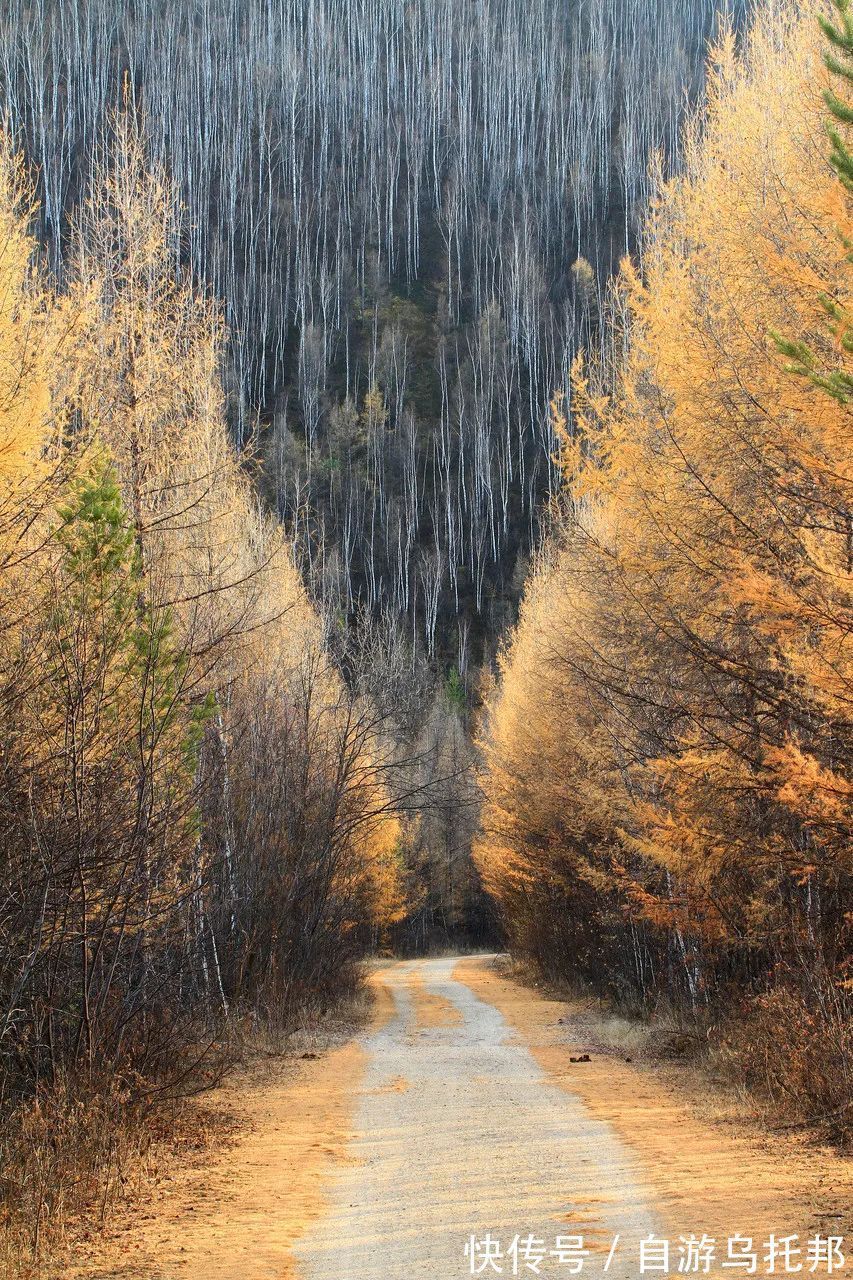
x,y
199,816
668,746
252,550
408,212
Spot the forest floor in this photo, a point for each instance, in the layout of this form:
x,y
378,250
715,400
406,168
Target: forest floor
x,y
457,1112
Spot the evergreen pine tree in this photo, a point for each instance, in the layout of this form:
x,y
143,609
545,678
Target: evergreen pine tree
x,y
840,62
805,361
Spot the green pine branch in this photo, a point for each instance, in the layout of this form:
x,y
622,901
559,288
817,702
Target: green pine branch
x,y
804,363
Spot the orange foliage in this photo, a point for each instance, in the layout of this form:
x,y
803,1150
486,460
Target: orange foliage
x,y
679,684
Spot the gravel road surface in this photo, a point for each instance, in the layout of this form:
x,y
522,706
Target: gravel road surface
x,y
458,1133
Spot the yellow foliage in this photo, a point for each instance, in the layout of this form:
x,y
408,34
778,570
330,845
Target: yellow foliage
x,y
164,672
25,314
680,678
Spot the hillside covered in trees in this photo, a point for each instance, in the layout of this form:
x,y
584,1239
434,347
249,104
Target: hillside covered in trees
x,y
409,212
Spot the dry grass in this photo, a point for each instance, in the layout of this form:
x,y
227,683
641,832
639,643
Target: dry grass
x,y
796,1054
69,1157
74,1156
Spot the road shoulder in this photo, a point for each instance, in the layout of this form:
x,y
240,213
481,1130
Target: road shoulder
x,y
710,1165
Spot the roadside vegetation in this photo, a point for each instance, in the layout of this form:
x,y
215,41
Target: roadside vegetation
x,y
668,749
197,829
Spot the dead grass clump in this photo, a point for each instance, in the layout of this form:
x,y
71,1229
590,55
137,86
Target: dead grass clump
x,y
794,1050
65,1153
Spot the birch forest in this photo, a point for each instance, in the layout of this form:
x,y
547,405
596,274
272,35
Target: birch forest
x,y
425,520
409,212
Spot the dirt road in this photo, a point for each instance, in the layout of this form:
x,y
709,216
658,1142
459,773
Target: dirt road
x,y
460,1133
460,1113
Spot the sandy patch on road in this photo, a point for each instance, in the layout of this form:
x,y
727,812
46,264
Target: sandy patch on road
x,y
238,1215
398,1085
712,1168
431,1010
